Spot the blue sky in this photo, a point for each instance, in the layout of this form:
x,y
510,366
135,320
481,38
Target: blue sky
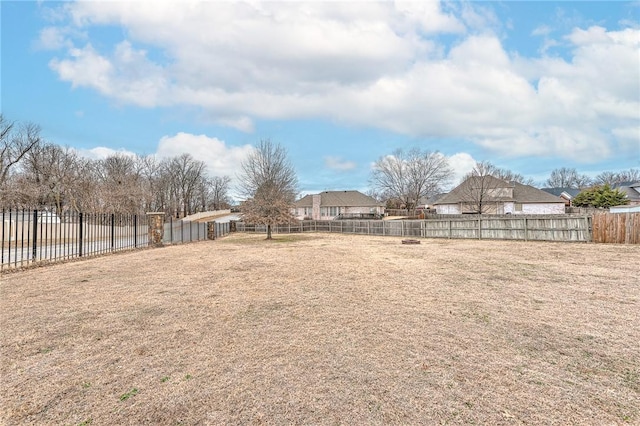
x,y
529,86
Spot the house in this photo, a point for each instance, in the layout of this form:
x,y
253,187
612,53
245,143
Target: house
x,y
330,204
632,191
490,195
428,203
567,194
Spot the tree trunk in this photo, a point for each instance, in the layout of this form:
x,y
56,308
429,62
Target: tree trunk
x,y
269,232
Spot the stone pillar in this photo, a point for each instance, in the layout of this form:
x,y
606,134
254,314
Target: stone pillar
x,y
156,228
211,230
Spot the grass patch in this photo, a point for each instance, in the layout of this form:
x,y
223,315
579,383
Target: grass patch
x,y
129,394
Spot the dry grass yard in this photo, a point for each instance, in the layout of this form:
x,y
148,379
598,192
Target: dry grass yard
x,y
326,329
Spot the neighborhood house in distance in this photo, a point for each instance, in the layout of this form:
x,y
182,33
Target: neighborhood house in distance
x,y
567,194
329,205
496,196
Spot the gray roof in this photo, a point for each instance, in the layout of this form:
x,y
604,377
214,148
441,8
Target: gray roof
x,y
558,191
521,193
431,200
340,199
632,191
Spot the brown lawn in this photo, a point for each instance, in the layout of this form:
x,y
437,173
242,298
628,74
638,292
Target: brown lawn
x,y
326,329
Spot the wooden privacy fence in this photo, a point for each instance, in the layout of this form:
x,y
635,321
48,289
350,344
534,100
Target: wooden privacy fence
x,y
510,227
621,228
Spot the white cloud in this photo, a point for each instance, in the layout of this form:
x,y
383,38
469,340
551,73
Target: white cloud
x,y
337,163
126,75
221,160
52,38
541,30
101,152
429,16
461,163
372,64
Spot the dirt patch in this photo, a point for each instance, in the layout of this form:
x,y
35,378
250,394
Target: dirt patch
x,y
326,329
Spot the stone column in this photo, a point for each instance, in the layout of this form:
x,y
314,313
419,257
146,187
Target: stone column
x,y
156,228
211,230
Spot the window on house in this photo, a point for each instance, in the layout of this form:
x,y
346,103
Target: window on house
x,y
518,207
333,211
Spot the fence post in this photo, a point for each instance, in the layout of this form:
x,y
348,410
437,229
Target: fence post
x,y
449,228
526,230
479,227
156,228
81,236
113,230
35,234
135,231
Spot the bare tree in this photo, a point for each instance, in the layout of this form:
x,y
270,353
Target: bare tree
x,y
219,192
616,178
565,177
480,188
120,183
511,176
150,173
48,177
14,145
269,183
186,174
410,176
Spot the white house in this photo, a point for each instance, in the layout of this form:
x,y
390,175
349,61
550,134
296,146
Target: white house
x,y
498,196
330,204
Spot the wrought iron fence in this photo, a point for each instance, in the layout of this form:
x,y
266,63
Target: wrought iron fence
x,y
30,236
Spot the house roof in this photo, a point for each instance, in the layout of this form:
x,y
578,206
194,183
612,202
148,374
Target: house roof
x,y
529,194
572,192
521,193
340,199
431,200
631,189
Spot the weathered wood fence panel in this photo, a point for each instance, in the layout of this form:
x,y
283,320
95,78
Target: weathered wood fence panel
x,y
509,227
620,228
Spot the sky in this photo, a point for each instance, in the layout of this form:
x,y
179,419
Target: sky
x,y
528,86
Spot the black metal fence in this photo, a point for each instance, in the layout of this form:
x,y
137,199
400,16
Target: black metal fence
x,y
30,236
